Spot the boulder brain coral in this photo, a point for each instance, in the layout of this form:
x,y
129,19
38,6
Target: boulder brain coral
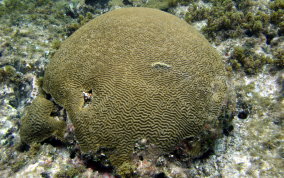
x,y
151,76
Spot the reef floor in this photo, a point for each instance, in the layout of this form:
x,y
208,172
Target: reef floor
x,y
251,146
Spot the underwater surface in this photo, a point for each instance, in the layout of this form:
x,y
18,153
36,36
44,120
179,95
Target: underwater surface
x,y
246,140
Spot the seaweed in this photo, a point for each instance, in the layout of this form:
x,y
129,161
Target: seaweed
x,y
8,74
18,165
70,172
232,19
251,63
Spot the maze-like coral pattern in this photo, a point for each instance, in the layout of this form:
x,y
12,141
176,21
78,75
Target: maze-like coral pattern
x,y
151,75
38,125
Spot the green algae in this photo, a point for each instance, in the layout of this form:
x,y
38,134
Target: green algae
x,y
126,169
13,5
157,4
234,18
261,125
277,5
220,16
166,4
42,12
114,3
18,165
246,59
82,20
279,54
34,149
8,74
72,27
70,172
56,44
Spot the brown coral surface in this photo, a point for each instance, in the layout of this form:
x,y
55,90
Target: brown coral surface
x,y
151,76
38,125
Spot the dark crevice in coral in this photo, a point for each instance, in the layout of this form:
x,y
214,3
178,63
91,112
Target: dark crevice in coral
x,y
53,114
58,111
73,152
88,96
97,161
206,155
22,147
160,175
98,166
177,154
228,130
48,96
65,115
54,142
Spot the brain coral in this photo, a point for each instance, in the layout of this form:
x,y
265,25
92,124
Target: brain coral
x,y
151,76
37,124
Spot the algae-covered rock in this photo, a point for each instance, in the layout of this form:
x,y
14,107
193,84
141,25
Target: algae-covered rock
x,y
38,125
135,73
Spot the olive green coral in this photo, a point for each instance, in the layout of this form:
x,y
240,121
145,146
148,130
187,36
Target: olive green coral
x,y
145,74
38,125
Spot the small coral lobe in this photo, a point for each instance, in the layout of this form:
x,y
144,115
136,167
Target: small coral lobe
x,y
37,123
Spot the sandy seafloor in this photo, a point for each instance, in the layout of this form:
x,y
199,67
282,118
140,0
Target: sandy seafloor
x,y
253,147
